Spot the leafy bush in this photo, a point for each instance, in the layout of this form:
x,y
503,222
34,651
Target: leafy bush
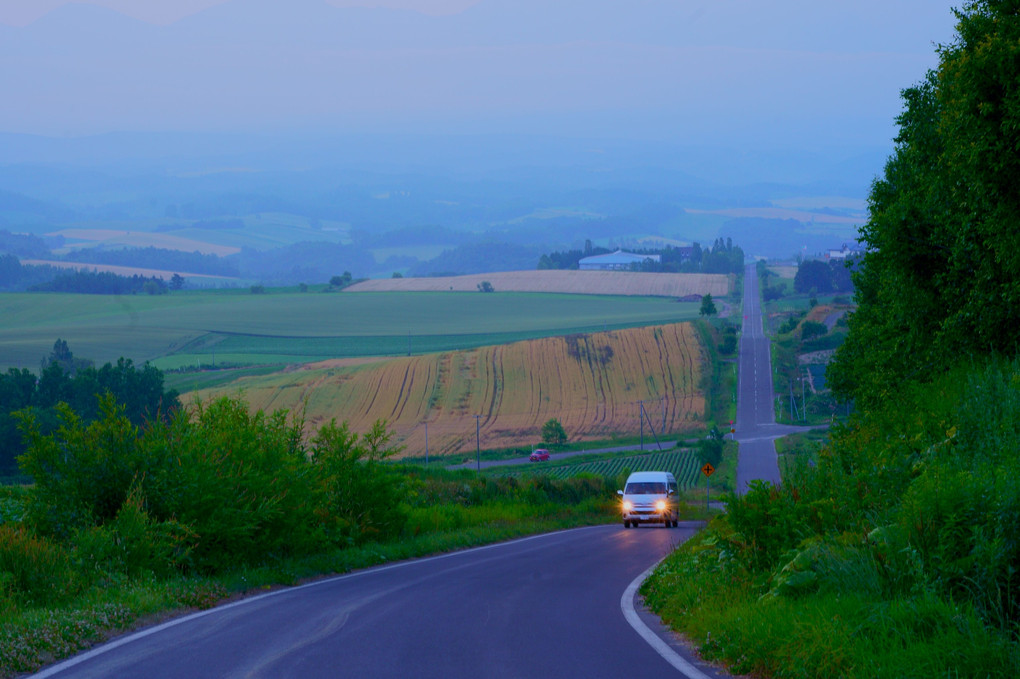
x,y
33,570
133,543
82,473
791,323
362,498
728,345
809,329
240,481
553,433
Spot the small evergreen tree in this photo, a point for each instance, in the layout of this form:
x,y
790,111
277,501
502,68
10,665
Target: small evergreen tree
x,y
708,306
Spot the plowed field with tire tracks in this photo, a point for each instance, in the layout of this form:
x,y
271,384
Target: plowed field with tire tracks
x,y
591,383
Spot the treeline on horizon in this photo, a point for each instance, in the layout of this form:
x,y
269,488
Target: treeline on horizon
x,y
315,262
721,257
76,382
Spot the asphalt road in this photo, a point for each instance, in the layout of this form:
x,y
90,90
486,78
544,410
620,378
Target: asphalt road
x,y
545,606
756,420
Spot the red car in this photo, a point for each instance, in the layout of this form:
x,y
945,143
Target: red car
x,y
539,455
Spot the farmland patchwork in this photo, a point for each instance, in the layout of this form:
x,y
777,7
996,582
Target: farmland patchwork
x,y
592,383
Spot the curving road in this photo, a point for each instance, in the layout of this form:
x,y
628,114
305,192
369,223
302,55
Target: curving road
x,y
543,606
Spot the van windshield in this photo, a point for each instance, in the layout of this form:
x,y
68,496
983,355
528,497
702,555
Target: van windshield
x,y
646,488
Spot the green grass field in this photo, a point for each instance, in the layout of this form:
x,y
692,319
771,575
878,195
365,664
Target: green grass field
x,y
237,327
682,463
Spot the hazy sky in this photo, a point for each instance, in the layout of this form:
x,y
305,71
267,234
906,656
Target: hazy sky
x,y
797,72
22,12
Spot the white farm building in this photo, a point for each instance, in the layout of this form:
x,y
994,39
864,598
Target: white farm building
x,y
614,261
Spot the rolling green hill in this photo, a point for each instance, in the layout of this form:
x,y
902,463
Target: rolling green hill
x,y
236,327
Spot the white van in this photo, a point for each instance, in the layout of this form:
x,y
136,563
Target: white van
x,y
651,497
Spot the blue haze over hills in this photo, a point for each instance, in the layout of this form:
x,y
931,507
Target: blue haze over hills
x,y
531,125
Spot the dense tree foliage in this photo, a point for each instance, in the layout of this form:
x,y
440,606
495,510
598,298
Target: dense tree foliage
x,y
707,306
158,258
553,433
76,382
722,257
218,486
479,258
570,259
103,283
941,278
15,276
22,244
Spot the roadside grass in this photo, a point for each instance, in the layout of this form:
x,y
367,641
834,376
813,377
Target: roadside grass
x,y
720,383
797,449
470,511
721,610
888,551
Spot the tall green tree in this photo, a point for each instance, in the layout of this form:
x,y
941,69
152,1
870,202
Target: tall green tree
x,y
940,281
707,306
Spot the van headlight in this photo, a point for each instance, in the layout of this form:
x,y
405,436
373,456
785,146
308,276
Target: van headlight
x,y
627,505
661,505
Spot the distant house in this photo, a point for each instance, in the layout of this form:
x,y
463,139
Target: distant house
x,y
685,252
614,261
844,252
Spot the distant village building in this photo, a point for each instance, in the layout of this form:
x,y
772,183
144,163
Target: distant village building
x,y
685,252
844,252
614,261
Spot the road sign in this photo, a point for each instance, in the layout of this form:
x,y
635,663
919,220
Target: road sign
x,y
708,469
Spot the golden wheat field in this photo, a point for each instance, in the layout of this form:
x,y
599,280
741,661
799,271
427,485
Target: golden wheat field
x,y
576,282
591,383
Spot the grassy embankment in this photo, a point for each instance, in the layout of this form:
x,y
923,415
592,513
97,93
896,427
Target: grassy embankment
x,y
889,551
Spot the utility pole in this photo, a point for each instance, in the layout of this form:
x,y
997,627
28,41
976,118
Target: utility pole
x,y
478,447
642,417
803,400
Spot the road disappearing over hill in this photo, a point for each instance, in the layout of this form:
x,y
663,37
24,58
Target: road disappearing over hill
x,y
756,425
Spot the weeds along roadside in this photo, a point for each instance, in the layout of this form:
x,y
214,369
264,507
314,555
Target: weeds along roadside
x,y
120,529
893,556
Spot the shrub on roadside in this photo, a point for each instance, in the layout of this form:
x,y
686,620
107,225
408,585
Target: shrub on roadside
x,y
361,498
34,571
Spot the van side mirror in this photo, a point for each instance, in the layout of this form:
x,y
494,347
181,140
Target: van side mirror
x,y
670,491
620,493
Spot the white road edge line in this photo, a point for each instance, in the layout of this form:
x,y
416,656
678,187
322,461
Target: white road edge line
x,y
661,647
100,650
